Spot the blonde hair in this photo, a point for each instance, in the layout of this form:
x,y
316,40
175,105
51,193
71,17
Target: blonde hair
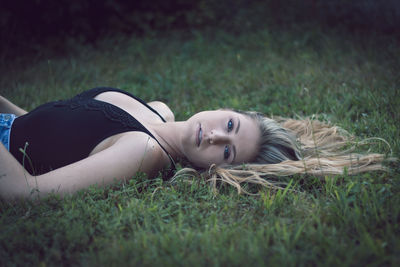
x,y
294,146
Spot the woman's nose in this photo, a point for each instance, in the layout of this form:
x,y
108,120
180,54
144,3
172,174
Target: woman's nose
x,y
217,137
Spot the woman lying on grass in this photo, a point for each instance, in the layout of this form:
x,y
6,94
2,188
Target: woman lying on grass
x,y
105,134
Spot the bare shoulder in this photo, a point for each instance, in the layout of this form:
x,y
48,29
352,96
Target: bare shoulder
x,y
145,149
141,141
163,109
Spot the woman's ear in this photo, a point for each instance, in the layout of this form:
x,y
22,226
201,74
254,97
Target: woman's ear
x,y
279,152
290,152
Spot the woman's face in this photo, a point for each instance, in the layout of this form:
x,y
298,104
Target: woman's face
x,y
222,137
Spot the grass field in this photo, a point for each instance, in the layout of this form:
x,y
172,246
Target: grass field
x,y
348,79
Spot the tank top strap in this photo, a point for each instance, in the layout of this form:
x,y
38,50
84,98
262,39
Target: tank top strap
x,y
173,165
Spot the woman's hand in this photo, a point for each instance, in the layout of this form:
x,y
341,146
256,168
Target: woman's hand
x,y
15,181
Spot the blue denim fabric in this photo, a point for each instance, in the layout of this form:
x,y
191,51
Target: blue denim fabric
x,y
6,120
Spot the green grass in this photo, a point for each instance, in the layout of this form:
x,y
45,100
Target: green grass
x,y
351,80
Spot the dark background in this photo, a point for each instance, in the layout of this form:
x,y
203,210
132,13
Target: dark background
x,y
25,24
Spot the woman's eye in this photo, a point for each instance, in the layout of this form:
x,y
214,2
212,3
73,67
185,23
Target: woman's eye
x,y
227,152
230,125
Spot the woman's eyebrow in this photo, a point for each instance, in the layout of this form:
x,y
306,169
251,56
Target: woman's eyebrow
x,y
234,153
238,126
234,147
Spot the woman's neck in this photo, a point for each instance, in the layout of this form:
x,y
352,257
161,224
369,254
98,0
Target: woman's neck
x,y
169,135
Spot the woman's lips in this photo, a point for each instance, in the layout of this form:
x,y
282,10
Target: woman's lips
x,y
199,135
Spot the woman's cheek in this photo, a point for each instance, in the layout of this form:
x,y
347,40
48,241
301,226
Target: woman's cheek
x,y
214,157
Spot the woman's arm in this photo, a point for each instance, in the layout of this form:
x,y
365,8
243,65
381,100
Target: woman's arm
x,y
7,107
134,152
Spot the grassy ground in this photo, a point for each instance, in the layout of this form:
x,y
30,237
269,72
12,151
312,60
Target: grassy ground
x,y
351,80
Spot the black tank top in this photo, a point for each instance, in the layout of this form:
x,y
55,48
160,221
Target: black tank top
x,y
63,132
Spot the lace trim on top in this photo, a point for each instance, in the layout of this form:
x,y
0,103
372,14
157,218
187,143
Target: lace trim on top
x,y
92,93
112,112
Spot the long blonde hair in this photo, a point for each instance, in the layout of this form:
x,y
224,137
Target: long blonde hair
x,y
294,146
